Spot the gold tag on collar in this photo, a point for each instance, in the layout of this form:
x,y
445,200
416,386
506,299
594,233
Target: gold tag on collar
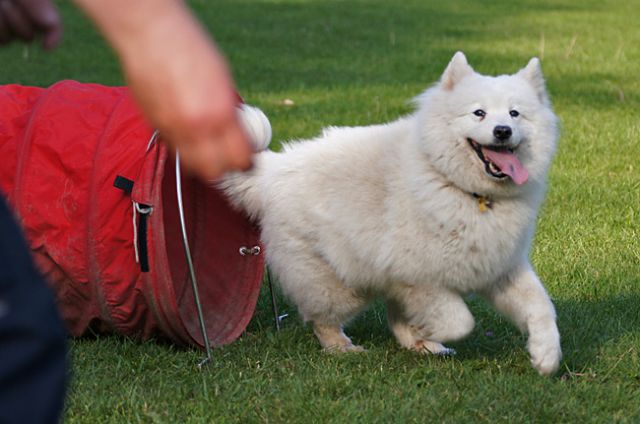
x,y
484,204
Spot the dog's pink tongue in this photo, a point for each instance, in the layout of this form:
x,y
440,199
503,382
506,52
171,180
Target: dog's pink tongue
x,y
509,164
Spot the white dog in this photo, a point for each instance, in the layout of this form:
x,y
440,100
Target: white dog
x,y
420,211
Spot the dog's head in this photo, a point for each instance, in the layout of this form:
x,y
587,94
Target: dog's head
x,y
489,135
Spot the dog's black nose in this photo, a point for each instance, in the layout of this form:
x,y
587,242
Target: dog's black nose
x,y
502,132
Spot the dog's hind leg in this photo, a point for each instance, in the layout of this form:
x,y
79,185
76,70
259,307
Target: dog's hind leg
x,y
422,320
322,299
333,339
332,307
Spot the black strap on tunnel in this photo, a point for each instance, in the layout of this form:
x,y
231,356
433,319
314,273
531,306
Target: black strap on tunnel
x,y
144,211
143,252
124,184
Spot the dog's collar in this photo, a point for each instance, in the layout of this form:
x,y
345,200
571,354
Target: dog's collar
x,y
484,203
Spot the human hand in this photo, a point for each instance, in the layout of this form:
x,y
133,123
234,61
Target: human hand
x,y
191,99
185,89
179,78
28,19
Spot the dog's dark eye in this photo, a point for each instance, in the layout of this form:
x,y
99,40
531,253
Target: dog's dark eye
x,y
480,113
514,113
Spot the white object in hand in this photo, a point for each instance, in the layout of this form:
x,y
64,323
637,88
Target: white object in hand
x,y
256,125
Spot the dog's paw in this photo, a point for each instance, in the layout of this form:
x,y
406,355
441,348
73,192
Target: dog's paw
x,y
433,348
344,348
447,352
546,356
548,362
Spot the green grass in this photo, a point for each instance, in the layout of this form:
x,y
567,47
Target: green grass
x,y
359,62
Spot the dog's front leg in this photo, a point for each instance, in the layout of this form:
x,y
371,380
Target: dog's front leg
x,y
522,298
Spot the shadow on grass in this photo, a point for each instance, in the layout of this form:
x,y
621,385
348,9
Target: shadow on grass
x,y
589,328
277,46
306,44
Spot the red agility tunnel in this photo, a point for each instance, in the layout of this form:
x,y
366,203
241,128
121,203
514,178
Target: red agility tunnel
x,y
76,162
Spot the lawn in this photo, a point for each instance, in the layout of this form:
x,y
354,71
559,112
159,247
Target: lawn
x,y
359,62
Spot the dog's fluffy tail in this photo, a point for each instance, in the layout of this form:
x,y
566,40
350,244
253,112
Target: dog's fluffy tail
x,y
256,125
243,188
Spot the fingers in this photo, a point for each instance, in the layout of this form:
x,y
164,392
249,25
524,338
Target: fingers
x,y
46,19
237,148
209,158
6,33
25,19
15,20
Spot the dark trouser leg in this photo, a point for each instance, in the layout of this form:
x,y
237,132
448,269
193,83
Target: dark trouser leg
x,y
33,368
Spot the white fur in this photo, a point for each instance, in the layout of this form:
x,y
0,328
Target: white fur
x,y
388,210
256,125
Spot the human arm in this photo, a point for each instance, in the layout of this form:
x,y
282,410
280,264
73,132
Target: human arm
x,y
178,77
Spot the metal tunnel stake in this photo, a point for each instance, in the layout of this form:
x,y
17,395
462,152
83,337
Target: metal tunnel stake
x,y
192,274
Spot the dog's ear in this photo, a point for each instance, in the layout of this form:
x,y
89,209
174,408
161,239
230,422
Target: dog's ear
x,y
533,74
457,69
